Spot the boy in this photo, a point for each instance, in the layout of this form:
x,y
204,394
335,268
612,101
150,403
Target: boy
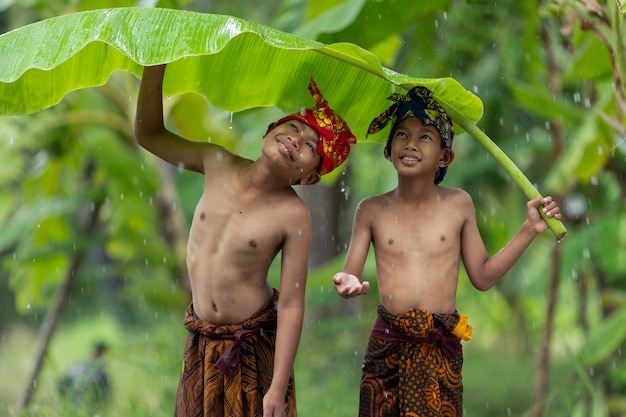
x,y
242,338
419,231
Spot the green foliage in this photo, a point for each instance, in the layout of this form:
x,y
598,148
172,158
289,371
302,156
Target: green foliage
x,y
502,59
605,338
240,57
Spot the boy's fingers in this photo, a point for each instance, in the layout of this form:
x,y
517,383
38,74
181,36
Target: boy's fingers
x,y
338,279
536,202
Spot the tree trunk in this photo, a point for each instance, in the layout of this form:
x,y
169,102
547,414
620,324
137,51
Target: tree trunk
x,y
543,371
556,128
53,314
324,202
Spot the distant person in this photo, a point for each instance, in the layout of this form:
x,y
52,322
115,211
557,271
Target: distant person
x,y
420,231
87,383
242,333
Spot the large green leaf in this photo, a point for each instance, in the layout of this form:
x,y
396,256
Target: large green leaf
x,y
605,338
235,64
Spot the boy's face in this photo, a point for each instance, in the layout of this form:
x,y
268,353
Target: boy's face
x,y
294,144
417,148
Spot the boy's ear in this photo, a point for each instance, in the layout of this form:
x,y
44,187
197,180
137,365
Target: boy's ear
x,y
387,151
446,158
314,178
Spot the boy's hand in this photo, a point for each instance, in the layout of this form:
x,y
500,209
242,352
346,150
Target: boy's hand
x,y
348,285
550,208
273,406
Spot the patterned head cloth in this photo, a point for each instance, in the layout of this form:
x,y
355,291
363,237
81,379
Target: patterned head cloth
x,y
335,135
418,102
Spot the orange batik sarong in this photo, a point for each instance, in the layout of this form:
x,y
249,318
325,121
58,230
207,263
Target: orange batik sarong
x,y
412,365
228,368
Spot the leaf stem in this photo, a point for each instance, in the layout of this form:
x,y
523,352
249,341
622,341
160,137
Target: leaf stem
x,y
555,225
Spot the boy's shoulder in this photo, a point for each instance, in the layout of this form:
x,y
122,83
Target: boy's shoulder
x,y
287,199
452,192
373,200
455,199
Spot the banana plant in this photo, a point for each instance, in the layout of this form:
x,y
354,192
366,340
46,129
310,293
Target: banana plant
x,y
235,64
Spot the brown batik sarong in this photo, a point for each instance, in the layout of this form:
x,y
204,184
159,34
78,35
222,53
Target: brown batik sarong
x,y
228,368
412,365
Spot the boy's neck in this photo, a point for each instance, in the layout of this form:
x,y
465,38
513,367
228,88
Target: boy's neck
x,y
258,176
414,190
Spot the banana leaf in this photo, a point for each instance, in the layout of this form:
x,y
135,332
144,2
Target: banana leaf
x,y
235,64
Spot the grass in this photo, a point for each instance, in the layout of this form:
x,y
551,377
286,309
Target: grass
x,y
144,365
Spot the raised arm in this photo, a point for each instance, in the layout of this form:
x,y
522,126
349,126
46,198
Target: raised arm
x,y
484,271
150,131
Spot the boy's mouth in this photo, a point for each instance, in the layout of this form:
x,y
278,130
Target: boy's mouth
x,y
285,148
409,159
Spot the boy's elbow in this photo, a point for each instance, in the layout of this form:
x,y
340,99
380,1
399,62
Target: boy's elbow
x,y
482,287
142,134
139,135
481,284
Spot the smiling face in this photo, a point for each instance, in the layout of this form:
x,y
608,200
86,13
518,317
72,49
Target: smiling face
x,y
416,148
294,145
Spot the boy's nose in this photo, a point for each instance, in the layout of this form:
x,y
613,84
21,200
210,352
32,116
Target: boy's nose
x,y
295,141
411,144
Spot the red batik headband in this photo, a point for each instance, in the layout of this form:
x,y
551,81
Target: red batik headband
x,y
335,135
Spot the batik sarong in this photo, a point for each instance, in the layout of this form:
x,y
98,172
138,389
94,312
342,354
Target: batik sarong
x,y
412,365
228,368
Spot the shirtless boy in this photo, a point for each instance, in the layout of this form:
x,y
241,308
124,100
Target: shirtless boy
x,y
242,337
420,231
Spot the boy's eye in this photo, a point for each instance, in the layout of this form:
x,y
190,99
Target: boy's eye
x,y
425,137
310,146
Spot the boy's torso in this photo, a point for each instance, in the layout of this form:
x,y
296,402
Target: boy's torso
x,y
233,240
417,249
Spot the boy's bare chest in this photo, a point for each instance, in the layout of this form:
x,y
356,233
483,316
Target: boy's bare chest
x,y
415,232
238,222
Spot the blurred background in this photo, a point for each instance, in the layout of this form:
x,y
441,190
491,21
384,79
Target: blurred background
x,y
93,229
